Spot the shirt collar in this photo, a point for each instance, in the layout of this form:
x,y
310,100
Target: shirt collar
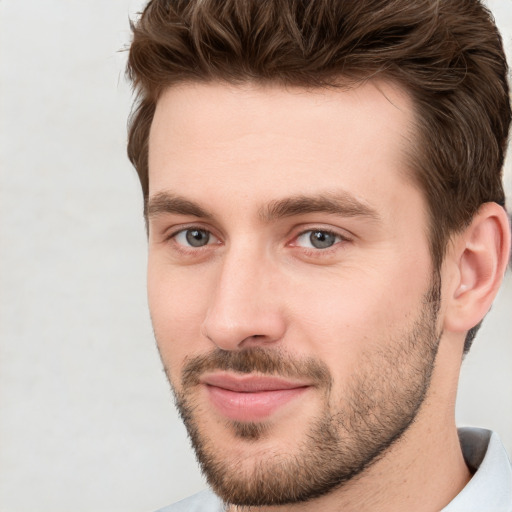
x,y
490,488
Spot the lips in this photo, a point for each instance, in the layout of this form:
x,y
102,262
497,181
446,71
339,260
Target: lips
x,y
250,398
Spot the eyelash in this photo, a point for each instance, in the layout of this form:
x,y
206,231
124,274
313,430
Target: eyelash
x,y
185,248
309,251
317,251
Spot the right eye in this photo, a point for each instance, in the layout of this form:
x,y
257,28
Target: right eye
x,y
194,237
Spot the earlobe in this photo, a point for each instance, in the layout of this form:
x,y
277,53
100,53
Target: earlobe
x,y
481,254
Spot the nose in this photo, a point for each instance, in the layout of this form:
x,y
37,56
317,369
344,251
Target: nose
x,y
244,309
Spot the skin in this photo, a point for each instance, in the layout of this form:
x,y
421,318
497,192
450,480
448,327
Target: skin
x,y
258,283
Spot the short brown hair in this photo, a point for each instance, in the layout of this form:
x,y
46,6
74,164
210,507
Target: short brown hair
x,y
447,54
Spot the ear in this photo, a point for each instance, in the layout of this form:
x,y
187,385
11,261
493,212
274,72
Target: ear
x,y
479,255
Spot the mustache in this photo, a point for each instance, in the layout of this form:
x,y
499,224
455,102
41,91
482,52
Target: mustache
x,y
255,360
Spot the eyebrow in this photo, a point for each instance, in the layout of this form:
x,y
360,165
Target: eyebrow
x,y
163,202
340,203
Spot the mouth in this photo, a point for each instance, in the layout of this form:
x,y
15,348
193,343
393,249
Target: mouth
x,y
250,398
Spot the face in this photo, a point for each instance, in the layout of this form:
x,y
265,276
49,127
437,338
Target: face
x,y
290,283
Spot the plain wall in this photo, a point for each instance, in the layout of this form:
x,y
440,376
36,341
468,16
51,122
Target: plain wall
x,y
86,416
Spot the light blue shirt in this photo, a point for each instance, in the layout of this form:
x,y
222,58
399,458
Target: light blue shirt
x,y
489,490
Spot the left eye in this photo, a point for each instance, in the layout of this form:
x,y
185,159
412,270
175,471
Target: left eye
x,y
318,239
193,237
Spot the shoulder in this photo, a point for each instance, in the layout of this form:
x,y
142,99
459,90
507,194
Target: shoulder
x,y
205,501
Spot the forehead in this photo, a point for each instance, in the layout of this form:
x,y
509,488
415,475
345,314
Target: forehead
x,y
258,143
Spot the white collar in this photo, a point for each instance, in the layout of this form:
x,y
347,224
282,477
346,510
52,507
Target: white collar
x,y
490,488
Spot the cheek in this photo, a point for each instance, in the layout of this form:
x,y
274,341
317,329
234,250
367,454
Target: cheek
x,y
177,304
347,313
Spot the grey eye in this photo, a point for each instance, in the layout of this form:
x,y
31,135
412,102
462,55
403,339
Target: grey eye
x,y
322,239
197,237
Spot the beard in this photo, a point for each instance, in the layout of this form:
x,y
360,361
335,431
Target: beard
x,y
355,427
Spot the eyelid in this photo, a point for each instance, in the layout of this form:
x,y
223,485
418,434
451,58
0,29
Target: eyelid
x,y
342,233
337,238
320,254
172,232
343,236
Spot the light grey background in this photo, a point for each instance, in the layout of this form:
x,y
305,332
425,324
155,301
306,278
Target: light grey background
x,y
86,417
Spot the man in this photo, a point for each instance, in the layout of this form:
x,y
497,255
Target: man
x,y
322,186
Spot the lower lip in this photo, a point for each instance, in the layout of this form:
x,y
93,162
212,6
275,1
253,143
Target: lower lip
x,y
255,406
